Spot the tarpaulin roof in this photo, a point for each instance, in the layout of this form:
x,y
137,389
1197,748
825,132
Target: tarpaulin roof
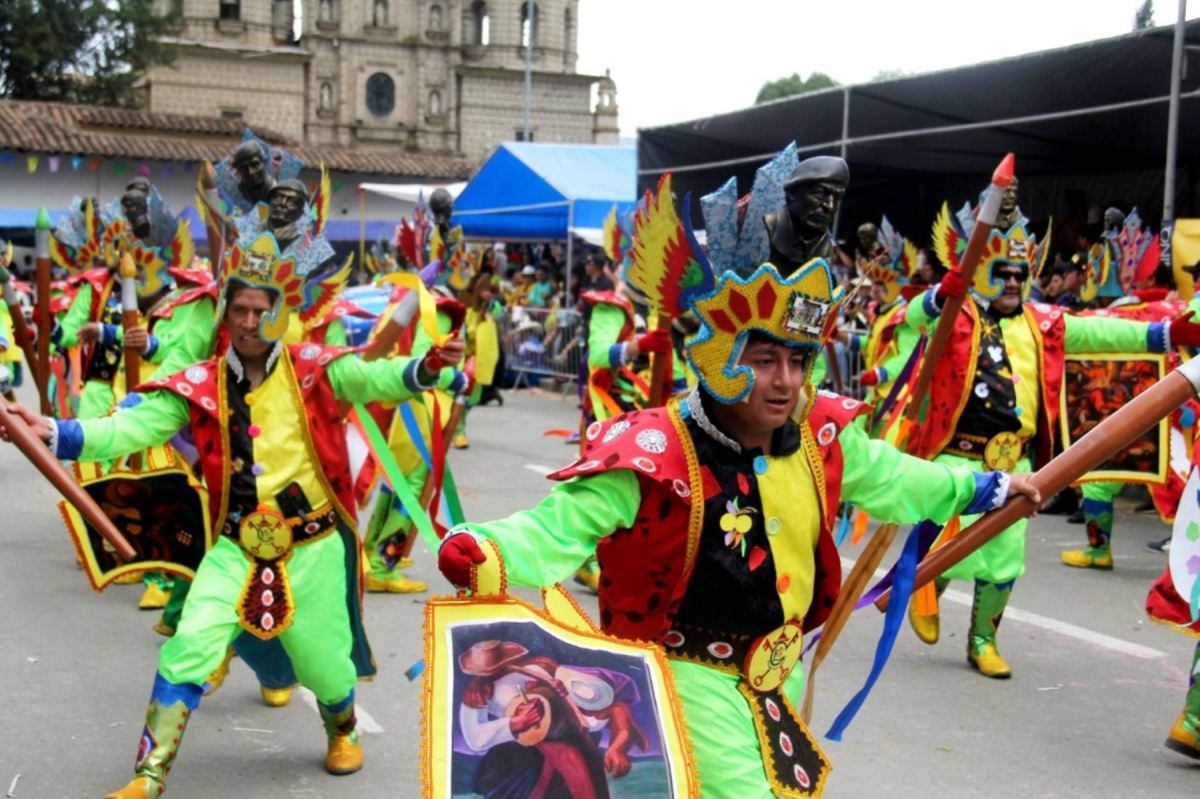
x,y
1087,118
536,191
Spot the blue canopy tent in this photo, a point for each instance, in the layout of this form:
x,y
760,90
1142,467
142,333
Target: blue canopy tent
x,y
546,192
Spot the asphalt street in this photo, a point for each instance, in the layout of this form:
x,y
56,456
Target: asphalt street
x,y
1095,690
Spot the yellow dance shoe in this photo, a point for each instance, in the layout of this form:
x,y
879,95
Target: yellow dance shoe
x,y
989,663
1183,740
276,697
927,628
154,597
139,788
1088,558
345,754
394,585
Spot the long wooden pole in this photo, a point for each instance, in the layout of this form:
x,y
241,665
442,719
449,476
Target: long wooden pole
x,y
384,341
660,366
130,318
33,449
871,556
1102,442
21,330
42,247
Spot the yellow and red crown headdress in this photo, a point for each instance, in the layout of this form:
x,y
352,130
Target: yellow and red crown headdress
x,y
260,265
77,244
674,274
1016,246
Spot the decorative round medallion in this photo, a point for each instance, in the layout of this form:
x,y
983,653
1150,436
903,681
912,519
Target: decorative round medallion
x,y
652,441
267,622
802,778
196,374
208,404
268,576
772,709
587,466
309,352
645,464
827,434
681,488
673,639
785,744
615,430
268,598
720,650
593,430
184,388
265,534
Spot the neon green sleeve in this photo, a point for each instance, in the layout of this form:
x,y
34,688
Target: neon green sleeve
x,y
1105,334
545,544
820,367
898,488
387,379
604,330
335,334
906,341
75,317
187,337
154,420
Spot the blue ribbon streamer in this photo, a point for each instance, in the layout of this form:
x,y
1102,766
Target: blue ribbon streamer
x,y
899,384
902,587
415,670
843,526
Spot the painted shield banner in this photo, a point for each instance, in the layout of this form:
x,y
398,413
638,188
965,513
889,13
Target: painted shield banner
x,y
156,503
517,698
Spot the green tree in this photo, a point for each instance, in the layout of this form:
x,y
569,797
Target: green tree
x,y
1144,17
793,84
81,51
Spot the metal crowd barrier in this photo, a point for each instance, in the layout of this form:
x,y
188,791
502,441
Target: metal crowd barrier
x,y
541,343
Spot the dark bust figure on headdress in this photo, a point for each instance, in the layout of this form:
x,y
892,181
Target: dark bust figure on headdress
x,y
286,202
800,231
136,209
250,162
1010,212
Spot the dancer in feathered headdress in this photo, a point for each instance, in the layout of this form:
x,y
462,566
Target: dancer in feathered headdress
x,y
712,516
268,431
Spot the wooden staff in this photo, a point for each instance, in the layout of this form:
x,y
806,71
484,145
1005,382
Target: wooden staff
x,y
21,331
1101,443
660,366
456,413
869,560
42,245
37,453
130,318
384,341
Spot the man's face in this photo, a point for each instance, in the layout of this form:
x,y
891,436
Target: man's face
x,y
778,381
541,276
286,207
1055,287
244,312
1013,278
251,170
879,291
1070,281
812,206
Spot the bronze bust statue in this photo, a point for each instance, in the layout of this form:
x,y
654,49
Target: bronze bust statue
x,y
800,231
1114,220
1010,212
137,213
286,202
250,162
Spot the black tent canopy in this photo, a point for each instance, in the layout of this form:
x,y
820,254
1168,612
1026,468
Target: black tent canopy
x,y
1088,124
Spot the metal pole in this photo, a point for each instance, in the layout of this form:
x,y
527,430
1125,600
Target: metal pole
x,y
570,263
529,70
1168,213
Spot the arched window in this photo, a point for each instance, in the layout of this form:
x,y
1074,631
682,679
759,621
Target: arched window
x,y
435,103
435,17
326,96
480,24
529,23
379,13
327,11
380,94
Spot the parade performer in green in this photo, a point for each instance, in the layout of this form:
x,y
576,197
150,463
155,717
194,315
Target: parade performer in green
x,y
711,517
994,399
285,565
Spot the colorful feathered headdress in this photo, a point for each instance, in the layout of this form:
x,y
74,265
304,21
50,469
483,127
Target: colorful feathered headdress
x,y
894,265
261,265
77,244
1013,246
1139,251
675,275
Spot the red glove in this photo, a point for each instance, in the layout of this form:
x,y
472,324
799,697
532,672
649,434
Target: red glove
x,y
655,341
869,377
1184,332
458,554
952,285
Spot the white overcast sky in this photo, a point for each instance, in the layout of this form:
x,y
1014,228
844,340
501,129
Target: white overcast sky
x,y
675,60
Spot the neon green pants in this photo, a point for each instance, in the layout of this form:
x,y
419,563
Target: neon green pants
x,y
318,641
1000,560
721,728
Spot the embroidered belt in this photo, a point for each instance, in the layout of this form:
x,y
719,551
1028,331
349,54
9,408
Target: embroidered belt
x,y
1000,452
267,539
793,761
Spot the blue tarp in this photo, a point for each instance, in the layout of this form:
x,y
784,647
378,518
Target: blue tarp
x,y
26,217
524,190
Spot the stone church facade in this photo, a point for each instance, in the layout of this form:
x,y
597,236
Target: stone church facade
x,y
432,76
